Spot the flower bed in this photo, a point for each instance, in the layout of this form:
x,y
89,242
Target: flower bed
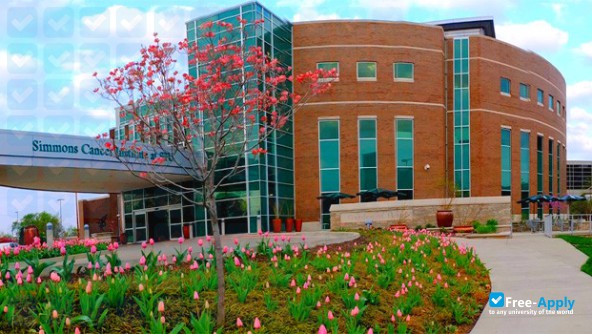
x,y
42,251
386,282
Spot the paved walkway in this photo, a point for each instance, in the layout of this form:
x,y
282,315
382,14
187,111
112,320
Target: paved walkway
x,y
131,253
531,266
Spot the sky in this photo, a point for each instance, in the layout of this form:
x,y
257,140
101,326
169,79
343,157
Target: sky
x,y
49,50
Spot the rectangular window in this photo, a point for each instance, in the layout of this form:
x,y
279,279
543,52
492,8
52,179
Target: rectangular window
x,y
525,171
328,165
506,143
551,166
328,66
558,169
551,102
524,91
404,153
367,154
366,71
505,86
558,108
540,97
540,172
462,119
403,71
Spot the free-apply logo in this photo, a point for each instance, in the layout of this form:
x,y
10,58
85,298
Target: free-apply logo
x,y
496,299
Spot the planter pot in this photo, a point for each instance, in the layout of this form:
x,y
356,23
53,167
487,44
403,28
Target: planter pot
x,y
289,224
277,225
463,229
444,218
298,225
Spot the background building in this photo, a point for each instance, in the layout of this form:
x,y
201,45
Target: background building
x,y
579,177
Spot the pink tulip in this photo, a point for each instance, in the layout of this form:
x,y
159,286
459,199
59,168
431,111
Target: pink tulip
x,y
322,329
330,315
151,241
161,306
356,297
408,318
399,313
142,261
239,322
195,295
88,287
257,324
370,331
327,300
392,318
141,287
54,314
236,241
162,319
5,309
181,240
77,331
355,311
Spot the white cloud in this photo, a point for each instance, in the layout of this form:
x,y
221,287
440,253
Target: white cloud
x,y
579,134
101,113
538,36
580,94
310,10
585,49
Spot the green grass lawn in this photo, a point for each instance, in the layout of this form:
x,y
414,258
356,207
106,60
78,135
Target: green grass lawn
x,y
584,245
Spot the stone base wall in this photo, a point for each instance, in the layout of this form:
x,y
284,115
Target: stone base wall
x,y
420,212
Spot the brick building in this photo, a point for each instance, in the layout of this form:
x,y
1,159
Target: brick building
x,y
416,108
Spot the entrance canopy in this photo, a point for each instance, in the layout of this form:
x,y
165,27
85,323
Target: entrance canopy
x,y
43,161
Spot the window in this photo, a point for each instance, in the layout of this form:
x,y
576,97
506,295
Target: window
x,y
524,92
540,97
403,71
540,172
525,171
366,71
558,108
505,86
328,165
551,102
367,154
558,168
551,166
328,66
404,142
506,141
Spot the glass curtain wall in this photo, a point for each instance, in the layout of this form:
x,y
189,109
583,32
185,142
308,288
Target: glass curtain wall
x,y
367,154
525,171
404,152
266,182
540,173
328,166
462,143
506,143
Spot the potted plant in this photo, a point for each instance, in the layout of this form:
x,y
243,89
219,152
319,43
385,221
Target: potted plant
x,y
444,215
289,219
277,221
298,225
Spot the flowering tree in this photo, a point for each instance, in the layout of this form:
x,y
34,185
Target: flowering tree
x,y
199,123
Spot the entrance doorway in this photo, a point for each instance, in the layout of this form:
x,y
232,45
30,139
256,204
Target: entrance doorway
x,y
160,224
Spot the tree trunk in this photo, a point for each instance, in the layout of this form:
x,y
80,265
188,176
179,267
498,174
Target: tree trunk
x,y
212,210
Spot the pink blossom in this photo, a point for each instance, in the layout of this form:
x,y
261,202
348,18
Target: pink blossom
x,y
142,261
144,245
162,319
161,306
76,331
322,329
370,331
54,277
195,295
239,322
151,241
236,241
355,311
392,318
181,240
399,313
257,323
330,315
93,249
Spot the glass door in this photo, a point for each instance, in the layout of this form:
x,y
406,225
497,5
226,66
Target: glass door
x,y
139,226
176,223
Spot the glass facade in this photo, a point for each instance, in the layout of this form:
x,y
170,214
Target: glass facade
x,y
506,163
525,171
403,71
404,152
367,154
265,181
462,143
328,166
579,175
558,169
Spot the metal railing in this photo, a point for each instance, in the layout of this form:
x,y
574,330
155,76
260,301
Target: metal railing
x,y
567,224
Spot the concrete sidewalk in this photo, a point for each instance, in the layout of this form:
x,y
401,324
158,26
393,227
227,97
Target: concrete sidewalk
x,y
132,253
531,266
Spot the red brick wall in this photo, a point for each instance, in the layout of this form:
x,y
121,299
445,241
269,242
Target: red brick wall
x,y
388,42
95,209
